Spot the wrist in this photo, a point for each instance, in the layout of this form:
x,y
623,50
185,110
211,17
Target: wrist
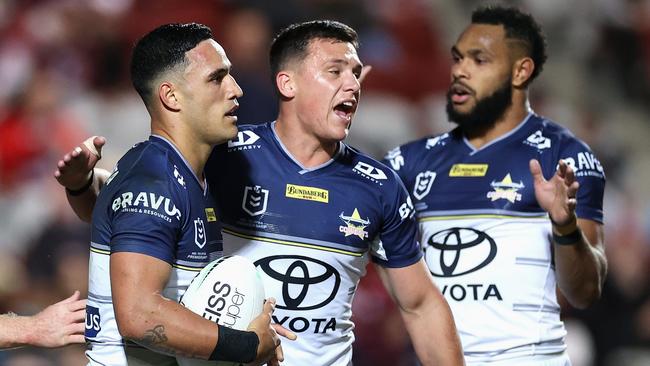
x,y
571,238
563,229
235,346
24,326
81,190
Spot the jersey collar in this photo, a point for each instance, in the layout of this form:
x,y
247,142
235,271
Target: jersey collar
x,y
171,145
304,169
500,138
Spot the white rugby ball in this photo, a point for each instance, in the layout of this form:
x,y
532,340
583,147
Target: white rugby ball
x,y
228,291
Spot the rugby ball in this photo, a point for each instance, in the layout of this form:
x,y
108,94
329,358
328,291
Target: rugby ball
x,y
228,291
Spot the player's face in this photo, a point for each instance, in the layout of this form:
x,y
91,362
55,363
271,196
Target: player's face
x,y
211,92
328,89
480,76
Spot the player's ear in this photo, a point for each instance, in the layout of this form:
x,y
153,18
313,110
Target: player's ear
x,y
168,95
522,71
284,81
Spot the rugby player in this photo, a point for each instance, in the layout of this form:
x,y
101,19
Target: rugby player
x,y
154,224
509,203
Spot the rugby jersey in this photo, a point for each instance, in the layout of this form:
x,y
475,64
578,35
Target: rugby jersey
x,y
151,204
485,238
311,231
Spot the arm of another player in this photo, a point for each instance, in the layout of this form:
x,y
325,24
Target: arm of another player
x,y
57,325
163,325
75,172
580,265
426,314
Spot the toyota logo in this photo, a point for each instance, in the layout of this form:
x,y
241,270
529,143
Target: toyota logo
x,y
458,251
305,283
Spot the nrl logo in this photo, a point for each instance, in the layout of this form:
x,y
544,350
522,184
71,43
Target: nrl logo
x,y
423,183
354,225
255,200
199,233
506,189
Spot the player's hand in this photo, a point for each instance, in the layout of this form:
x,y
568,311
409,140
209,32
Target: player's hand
x,y
556,196
269,349
279,353
59,324
73,170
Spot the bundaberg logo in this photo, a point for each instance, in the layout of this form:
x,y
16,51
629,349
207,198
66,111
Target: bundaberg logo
x,y
307,193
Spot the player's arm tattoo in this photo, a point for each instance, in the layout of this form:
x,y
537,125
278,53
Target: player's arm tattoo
x,y
156,339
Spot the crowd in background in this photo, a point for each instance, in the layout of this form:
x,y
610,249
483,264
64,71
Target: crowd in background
x,y
64,76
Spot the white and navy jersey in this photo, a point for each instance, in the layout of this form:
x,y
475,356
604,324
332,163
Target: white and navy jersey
x,y
152,204
485,238
311,232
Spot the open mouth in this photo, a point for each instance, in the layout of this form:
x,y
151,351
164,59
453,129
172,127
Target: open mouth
x,y
459,93
345,109
231,112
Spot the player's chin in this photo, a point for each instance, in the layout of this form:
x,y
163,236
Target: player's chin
x,y
341,126
465,107
230,125
341,135
226,131
340,131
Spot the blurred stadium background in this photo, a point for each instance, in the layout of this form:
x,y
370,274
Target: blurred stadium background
x,y
64,76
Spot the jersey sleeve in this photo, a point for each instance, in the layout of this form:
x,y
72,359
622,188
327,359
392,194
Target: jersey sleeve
x,y
147,215
396,160
591,177
405,159
397,245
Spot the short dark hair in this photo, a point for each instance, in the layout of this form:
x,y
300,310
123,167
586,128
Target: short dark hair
x,y
292,42
162,49
519,26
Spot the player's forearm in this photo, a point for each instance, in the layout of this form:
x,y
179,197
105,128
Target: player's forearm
x,y
433,333
82,203
15,331
581,267
580,273
165,326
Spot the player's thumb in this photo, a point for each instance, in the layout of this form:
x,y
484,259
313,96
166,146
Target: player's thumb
x,y
74,297
536,171
269,306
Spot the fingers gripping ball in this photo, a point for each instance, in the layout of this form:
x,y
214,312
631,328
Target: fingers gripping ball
x,y
228,291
